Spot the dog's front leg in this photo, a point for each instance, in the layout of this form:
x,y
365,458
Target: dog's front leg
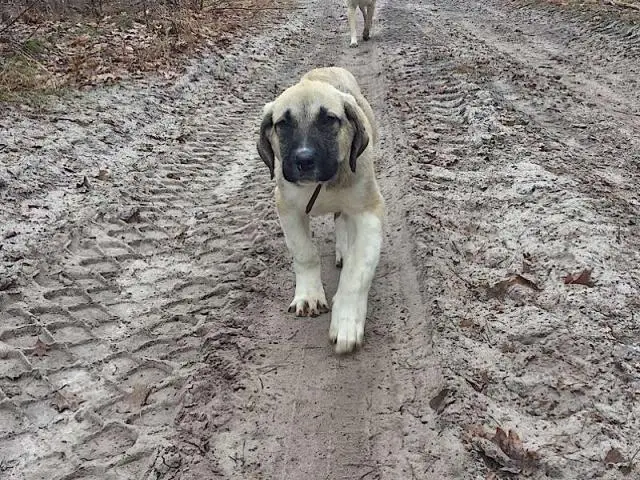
x,y
349,310
351,15
309,298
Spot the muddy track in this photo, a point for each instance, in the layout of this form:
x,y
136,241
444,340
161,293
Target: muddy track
x,y
160,287
525,163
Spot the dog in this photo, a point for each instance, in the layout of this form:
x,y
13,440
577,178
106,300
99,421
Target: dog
x,y
367,8
317,139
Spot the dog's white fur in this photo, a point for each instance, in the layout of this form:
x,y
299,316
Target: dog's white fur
x,y
367,7
354,195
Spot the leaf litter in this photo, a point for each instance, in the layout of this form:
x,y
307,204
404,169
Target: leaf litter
x,y
501,289
506,449
581,278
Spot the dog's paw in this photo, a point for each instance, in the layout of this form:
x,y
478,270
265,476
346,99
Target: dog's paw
x,y
347,323
365,36
309,305
353,44
339,257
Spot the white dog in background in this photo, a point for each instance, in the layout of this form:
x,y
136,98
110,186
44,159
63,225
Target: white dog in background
x,y
367,8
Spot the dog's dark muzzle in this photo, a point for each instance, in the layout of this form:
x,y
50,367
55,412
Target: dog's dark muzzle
x,y
309,164
305,160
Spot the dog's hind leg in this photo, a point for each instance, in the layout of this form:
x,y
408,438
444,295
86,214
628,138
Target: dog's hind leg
x,y
351,14
368,20
342,237
309,299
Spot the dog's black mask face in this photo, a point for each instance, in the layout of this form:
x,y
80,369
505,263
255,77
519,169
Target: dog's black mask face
x,y
309,147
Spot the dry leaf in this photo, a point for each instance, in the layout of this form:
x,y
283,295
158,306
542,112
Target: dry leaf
x,y
492,451
582,278
466,323
506,449
520,280
515,447
65,401
441,400
138,396
41,348
500,438
479,384
103,175
614,456
500,289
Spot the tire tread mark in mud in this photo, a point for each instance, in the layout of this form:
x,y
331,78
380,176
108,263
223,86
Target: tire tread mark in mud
x,y
480,193
121,313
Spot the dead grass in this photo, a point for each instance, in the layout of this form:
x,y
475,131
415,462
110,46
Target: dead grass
x,y
43,52
21,72
625,8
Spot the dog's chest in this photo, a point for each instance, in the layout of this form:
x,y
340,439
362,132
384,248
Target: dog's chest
x,y
327,201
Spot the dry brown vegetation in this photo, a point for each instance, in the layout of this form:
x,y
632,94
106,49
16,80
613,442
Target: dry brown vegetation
x,y
620,6
47,45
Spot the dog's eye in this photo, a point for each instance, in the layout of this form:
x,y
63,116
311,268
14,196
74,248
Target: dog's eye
x,y
332,119
282,123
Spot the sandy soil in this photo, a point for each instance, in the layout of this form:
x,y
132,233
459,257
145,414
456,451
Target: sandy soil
x,y
145,280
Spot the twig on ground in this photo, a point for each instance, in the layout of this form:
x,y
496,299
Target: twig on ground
x,y
364,475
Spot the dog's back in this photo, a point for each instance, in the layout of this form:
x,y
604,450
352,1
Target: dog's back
x,y
344,81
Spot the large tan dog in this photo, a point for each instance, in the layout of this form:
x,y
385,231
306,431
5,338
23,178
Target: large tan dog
x,y
367,8
317,139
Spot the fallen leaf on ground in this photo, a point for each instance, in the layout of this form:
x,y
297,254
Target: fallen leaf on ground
x,y
138,396
480,383
41,348
65,401
582,278
441,400
103,175
510,443
500,289
466,323
614,456
506,449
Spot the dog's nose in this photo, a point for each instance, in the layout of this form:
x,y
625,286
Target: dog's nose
x,y
305,159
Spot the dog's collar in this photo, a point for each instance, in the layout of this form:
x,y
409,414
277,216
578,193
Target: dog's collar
x,y
312,200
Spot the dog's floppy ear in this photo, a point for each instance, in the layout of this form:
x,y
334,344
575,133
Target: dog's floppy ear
x,y
360,137
265,150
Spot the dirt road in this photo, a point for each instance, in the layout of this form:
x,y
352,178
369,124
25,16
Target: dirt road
x,y
145,280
